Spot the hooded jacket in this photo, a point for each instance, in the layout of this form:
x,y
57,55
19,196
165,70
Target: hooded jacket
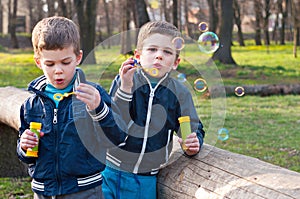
x,y
72,151
151,114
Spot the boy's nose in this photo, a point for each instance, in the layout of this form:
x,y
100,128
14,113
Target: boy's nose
x,y
158,56
58,70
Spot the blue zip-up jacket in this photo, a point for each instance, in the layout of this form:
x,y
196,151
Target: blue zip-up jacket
x,y
152,116
73,149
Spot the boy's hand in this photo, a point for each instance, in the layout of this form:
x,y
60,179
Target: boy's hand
x,y
126,73
89,95
192,143
29,140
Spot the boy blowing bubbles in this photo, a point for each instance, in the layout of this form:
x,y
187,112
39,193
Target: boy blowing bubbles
x,y
155,102
64,167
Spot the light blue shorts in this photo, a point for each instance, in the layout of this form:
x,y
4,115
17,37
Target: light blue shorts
x,y
123,185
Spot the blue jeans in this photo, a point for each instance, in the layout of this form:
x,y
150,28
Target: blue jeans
x,y
123,185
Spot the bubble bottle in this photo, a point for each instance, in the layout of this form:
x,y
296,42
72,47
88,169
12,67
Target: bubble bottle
x,y
34,127
185,129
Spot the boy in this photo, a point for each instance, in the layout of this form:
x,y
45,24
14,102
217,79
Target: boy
x,y
64,167
155,102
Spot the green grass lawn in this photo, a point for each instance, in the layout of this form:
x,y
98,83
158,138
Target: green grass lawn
x,y
262,127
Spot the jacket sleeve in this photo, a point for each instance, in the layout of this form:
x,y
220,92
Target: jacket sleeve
x,y
20,153
107,115
188,108
122,99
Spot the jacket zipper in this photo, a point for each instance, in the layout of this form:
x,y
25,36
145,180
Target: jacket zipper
x,y
146,132
56,150
55,116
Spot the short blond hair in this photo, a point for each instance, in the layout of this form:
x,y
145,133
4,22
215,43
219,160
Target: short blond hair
x,y
54,33
160,27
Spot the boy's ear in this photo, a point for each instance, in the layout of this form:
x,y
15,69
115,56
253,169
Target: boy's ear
x,y
136,54
176,63
38,62
79,57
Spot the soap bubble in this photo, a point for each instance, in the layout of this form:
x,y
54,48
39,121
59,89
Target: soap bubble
x,y
178,42
154,4
239,91
208,42
223,134
181,77
200,85
153,72
203,26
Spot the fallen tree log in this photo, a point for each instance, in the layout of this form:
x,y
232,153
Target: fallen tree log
x,y
260,90
213,173
217,174
11,99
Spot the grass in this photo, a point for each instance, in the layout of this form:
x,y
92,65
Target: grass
x,y
15,188
259,127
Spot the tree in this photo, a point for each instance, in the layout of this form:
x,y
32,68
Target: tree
x,y
166,10
266,21
1,17
238,22
213,15
258,17
12,24
283,20
223,54
175,13
51,9
65,8
107,19
125,35
296,23
86,15
142,16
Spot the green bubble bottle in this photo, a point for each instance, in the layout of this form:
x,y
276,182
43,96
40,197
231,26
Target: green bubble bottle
x,y
34,127
185,129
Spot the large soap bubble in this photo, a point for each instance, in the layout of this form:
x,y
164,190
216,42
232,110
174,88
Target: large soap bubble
x,y
208,42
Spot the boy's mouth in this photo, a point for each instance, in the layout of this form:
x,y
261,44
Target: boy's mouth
x,y
59,81
158,66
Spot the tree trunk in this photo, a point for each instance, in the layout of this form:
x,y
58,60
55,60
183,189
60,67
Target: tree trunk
x,y
51,9
13,22
175,13
258,16
1,17
107,19
266,22
213,15
142,14
166,11
238,22
12,99
186,17
125,35
86,14
217,174
223,54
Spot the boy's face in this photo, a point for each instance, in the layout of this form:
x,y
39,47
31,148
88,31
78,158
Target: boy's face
x,y
59,66
158,52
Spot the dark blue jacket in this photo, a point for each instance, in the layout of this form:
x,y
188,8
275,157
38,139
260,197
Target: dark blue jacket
x,y
152,120
72,151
